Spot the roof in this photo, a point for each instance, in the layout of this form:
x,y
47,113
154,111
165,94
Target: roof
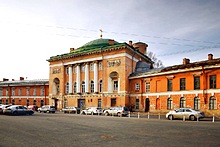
x,y
25,82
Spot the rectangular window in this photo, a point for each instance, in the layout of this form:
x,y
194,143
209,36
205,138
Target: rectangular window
x,y
67,88
212,81
147,86
6,92
1,92
137,87
196,83
83,68
20,92
169,85
42,91
137,104
113,102
28,91
13,91
35,92
91,67
183,84
67,70
115,85
75,69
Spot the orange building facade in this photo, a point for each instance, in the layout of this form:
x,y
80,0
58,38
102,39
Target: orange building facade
x,y
95,74
105,73
24,92
194,85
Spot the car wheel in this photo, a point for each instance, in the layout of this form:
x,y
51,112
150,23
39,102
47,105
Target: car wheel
x,y
170,117
119,114
15,113
106,114
192,117
30,113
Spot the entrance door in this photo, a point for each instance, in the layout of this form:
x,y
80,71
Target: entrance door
x,y
147,105
81,104
157,104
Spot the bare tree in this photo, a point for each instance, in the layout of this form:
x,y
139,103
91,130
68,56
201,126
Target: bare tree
x,y
157,63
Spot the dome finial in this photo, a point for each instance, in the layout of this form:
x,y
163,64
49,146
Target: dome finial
x,y
101,33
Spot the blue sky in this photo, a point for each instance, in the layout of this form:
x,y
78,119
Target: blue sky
x,y
34,30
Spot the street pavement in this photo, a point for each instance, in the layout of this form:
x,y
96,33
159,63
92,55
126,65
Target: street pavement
x,y
59,129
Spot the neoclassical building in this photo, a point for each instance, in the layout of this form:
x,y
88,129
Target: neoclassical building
x,y
96,74
105,73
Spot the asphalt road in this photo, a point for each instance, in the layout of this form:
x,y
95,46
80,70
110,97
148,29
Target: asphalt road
x,y
104,131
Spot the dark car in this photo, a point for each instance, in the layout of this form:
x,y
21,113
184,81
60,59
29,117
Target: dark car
x,y
17,110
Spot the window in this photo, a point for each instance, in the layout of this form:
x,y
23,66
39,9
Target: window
x,y
113,102
83,68
92,87
115,85
100,65
182,102
100,86
13,102
212,103
147,86
0,91
75,69
182,84
6,102
35,91
13,91
74,87
67,70
28,91
196,83
20,92
137,104
6,92
0,101
137,87
41,103
169,85
27,102
99,103
35,102
196,103
42,91
83,87
67,88
169,103
91,67
212,81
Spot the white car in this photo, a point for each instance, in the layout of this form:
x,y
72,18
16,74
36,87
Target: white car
x,y
117,110
2,107
184,112
92,110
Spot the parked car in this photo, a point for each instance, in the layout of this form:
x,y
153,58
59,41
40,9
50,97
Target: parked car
x,y
92,110
2,107
47,108
117,110
71,109
32,107
17,110
184,112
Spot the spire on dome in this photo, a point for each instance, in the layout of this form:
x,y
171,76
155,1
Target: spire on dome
x,y
101,33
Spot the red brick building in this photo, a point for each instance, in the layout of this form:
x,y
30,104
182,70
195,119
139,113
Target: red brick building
x,y
24,92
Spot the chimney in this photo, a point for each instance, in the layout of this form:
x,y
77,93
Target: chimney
x,y
186,61
71,49
142,47
111,42
130,43
4,79
210,56
21,78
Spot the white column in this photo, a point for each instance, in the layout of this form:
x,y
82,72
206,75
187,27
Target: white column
x,y
70,79
118,84
78,78
110,85
86,78
95,77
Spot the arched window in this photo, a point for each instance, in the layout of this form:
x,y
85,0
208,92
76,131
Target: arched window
x,y
182,102
100,86
196,103
83,87
74,88
67,88
92,87
169,103
212,103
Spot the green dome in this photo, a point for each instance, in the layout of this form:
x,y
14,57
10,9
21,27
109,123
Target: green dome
x,y
98,42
